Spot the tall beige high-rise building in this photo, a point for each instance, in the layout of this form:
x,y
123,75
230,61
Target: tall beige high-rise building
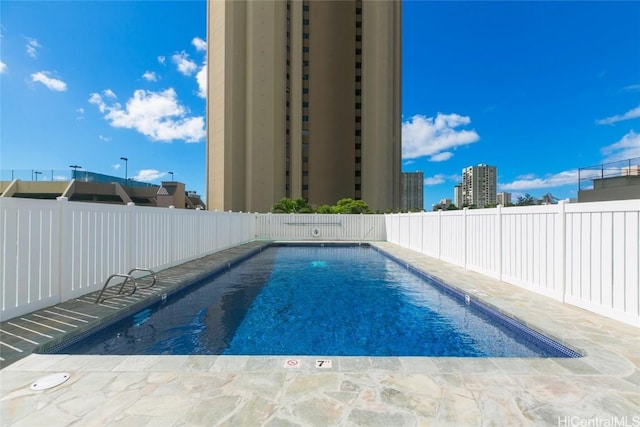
x,y
303,101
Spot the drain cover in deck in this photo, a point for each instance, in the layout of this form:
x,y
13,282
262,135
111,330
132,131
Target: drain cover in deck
x,y
50,381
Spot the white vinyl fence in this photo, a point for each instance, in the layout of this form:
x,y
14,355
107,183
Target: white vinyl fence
x,y
320,227
585,254
52,251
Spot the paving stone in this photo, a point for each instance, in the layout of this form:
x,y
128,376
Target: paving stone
x,y
360,417
253,411
319,411
420,404
303,385
212,411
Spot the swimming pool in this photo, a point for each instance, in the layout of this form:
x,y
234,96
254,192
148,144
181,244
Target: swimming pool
x,y
319,300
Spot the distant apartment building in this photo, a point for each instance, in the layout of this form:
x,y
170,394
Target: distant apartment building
x,y
457,195
412,194
479,185
503,199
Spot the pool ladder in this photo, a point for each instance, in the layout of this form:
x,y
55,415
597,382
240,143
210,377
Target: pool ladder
x,y
127,278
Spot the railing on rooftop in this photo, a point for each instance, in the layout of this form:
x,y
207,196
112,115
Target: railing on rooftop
x,y
586,175
67,175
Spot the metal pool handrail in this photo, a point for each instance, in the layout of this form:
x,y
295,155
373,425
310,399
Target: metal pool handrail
x,y
153,274
126,278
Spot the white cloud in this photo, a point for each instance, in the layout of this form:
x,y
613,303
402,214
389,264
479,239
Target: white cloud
x,y
161,60
116,166
3,67
631,114
441,157
80,112
200,44
157,115
530,182
148,175
104,138
435,137
201,78
184,64
96,99
51,83
109,93
632,87
150,76
627,148
434,180
32,47
441,179
527,176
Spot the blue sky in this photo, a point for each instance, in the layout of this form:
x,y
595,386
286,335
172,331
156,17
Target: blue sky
x,y
537,89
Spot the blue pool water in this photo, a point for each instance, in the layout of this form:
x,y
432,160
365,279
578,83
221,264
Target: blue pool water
x,y
341,301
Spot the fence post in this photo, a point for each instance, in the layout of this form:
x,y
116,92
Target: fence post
x,y
62,220
439,233
499,241
464,237
563,248
422,232
129,237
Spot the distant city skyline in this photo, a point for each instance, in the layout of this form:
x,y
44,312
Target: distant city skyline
x,y
538,89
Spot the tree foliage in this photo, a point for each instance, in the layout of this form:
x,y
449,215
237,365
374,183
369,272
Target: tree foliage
x,y
343,206
350,206
525,200
286,205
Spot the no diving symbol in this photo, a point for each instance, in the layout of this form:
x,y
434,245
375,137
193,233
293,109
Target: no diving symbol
x,y
291,363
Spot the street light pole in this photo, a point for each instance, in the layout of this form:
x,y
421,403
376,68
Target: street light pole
x,y
37,173
75,170
126,172
171,173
